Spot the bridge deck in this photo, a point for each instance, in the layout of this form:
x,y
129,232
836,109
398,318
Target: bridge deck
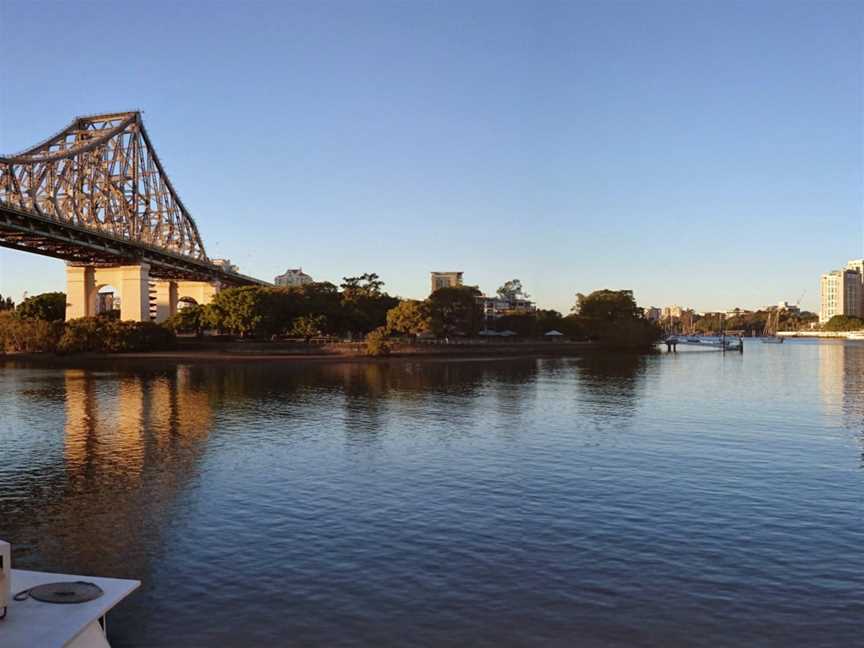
x,y
30,232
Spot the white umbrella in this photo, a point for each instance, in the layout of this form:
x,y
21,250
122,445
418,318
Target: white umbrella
x,y
507,333
553,333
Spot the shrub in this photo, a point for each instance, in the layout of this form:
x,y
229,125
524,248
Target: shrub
x,y
101,335
376,342
28,335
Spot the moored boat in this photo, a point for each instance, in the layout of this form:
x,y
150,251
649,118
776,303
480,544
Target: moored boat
x,y
769,335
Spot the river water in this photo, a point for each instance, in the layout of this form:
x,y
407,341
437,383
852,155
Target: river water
x,y
695,498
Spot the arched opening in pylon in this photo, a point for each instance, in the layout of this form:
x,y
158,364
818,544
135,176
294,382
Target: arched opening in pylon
x,y
107,301
185,302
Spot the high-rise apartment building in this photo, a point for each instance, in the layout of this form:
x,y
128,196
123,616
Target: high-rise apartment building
x,y
858,265
840,294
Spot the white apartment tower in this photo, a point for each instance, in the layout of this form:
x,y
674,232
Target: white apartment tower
x,y
840,294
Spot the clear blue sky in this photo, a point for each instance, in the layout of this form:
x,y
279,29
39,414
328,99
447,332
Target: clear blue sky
x,y
707,154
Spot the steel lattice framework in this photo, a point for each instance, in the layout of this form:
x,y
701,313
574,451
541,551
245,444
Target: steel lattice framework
x,y
96,194
102,173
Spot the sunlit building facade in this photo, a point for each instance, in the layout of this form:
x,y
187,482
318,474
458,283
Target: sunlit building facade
x,y
293,277
446,280
840,294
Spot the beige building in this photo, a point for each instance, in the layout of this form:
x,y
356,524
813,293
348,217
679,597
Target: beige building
x,y
225,264
446,280
670,312
840,294
652,313
293,277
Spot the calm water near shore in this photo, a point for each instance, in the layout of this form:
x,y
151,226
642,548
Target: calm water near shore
x,y
694,499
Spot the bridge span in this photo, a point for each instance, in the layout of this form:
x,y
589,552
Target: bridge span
x,y
96,196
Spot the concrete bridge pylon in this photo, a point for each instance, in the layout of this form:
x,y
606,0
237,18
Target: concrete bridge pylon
x,y
142,299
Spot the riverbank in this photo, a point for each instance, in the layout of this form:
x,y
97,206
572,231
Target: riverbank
x,y
204,351
842,335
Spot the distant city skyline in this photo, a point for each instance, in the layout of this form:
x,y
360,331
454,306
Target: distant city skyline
x,y
704,155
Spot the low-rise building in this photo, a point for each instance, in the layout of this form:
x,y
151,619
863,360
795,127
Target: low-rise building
x,y
785,306
293,277
497,306
225,264
446,280
735,312
672,312
652,313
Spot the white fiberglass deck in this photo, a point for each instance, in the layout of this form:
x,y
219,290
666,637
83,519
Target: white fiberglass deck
x,y
34,624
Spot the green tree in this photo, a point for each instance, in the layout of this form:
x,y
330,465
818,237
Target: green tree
x,y
608,304
308,326
573,327
549,320
364,304
242,311
844,323
368,284
612,318
189,319
523,324
455,311
410,317
50,307
320,298
6,303
512,290
213,318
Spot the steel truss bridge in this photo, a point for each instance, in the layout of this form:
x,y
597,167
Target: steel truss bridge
x,y
96,194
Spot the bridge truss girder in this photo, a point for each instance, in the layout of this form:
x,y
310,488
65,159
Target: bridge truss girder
x,y
27,232
101,172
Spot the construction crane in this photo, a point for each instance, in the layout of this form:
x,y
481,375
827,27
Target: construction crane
x,y
798,303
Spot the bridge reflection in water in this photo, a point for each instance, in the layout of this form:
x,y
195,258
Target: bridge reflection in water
x,y
130,445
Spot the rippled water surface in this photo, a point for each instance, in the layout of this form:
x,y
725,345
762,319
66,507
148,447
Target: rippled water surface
x,y
690,499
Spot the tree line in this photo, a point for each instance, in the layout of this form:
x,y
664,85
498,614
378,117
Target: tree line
x,y
38,325
358,308
747,323
311,310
